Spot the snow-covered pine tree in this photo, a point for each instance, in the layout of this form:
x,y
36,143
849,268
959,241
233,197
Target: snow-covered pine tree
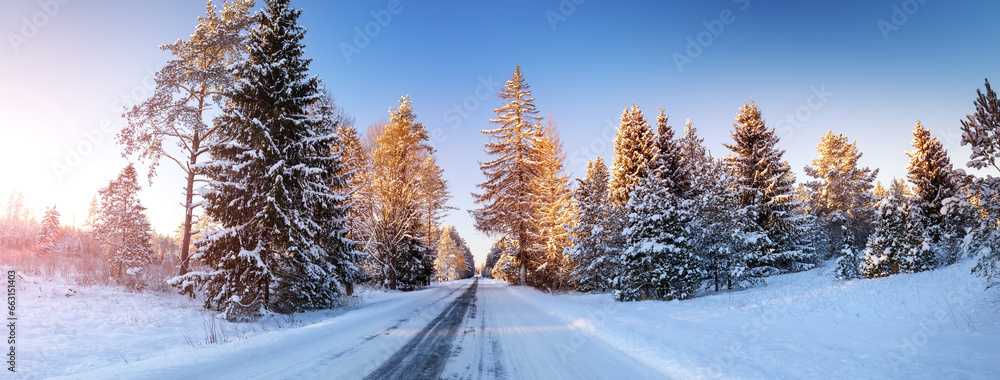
x,y
849,260
503,259
841,194
454,259
982,132
879,192
764,186
596,237
634,152
122,227
394,221
717,220
435,197
935,183
282,246
899,243
556,212
672,173
509,198
446,264
50,233
658,261
187,88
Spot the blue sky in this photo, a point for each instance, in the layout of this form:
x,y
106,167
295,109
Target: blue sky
x,y
809,66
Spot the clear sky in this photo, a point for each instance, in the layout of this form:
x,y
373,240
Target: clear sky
x,y
866,68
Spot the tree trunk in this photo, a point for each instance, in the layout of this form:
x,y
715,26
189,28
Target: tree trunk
x,y
188,214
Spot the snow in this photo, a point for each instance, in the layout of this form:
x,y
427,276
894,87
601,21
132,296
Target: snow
x,y
805,325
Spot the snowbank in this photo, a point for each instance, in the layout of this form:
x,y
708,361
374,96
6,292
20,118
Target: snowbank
x,y
805,325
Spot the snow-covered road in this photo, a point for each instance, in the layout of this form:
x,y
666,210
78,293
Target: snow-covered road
x,y
470,329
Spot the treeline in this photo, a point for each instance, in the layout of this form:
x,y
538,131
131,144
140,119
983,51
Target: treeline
x,y
89,253
668,219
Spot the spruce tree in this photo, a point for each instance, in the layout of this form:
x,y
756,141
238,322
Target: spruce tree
x,y
634,152
849,260
718,222
283,244
122,227
672,173
50,232
657,261
764,187
899,243
509,203
596,236
841,194
935,183
933,177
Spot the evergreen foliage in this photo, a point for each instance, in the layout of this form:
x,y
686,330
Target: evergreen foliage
x,y
764,187
509,201
50,232
840,196
276,186
634,152
596,238
122,227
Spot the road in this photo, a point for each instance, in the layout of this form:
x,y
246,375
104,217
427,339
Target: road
x,y
470,329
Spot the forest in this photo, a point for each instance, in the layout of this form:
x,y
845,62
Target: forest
x,y
289,205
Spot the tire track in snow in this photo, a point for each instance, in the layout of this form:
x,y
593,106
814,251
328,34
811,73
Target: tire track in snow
x,y
425,355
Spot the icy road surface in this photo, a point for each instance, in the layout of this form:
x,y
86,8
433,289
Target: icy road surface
x,y
470,329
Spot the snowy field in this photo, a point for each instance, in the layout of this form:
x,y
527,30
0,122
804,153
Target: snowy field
x,y
937,324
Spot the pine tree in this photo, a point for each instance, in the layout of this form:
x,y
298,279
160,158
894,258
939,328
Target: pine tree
x,y
657,261
454,259
122,227
395,221
434,190
634,151
899,243
982,132
764,186
879,191
556,211
283,244
841,195
933,177
509,199
849,261
673,172
50,232
718,221
187,88
596,237
935,183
